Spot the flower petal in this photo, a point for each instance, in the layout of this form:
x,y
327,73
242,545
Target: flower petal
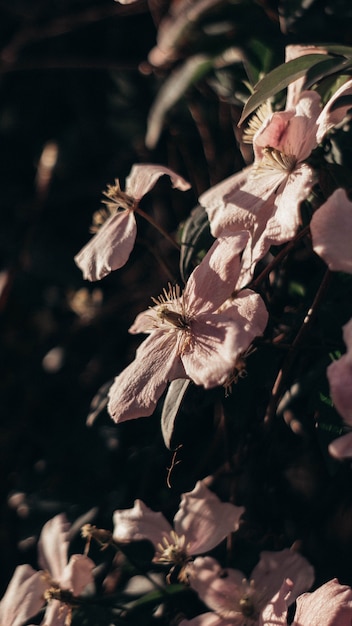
x,y
331,228
138,523
214,279
77,574
53,546
334,112
217,202
219,589
110,248
56,614
143,177
137,389
204,519
330,605
24,596
273,569
275,612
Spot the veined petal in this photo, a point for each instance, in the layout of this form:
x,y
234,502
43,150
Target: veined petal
x,y
204,519
138,523
214,350
24,596
221,593
214,279
218,203
143,177
275,612
333,113
222,337
300,138
53,546
330,605
77,574
272,132
136,391
331,228
110,248
273,569
287,204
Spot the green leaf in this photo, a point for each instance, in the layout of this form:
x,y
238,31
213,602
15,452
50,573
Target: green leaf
x,y
279,78
156,597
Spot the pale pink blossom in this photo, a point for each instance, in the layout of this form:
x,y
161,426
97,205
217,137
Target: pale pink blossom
x,y
111,246
190,336
331,228
72,574
241,602
24,596
201,523
340,380
265,197
329,605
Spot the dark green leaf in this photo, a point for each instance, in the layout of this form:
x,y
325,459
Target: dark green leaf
x,y
280,78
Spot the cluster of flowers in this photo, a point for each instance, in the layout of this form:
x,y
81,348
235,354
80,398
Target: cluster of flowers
x,y
201,523
202,332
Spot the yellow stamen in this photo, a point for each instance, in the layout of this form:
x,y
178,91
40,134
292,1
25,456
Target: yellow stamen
x,y
256,121
117,200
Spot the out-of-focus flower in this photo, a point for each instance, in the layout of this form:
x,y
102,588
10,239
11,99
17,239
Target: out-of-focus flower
x,y
331,228
329,605
201,523
24,596
265,197
190,336
72,574
237,601
115,227
340,380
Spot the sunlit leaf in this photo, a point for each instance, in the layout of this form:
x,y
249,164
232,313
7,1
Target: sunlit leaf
x,y
172,403
279,78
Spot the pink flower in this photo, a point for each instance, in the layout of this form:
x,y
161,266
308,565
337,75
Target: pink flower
x,y
265,197
329,605
239,602
190,336
340,380
201,523
73,574
24,596
112,244
331,228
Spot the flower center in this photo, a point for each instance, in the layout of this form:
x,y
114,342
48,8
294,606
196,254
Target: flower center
x,y
256,121
170,308
117,200
274,160
172,550
245,605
